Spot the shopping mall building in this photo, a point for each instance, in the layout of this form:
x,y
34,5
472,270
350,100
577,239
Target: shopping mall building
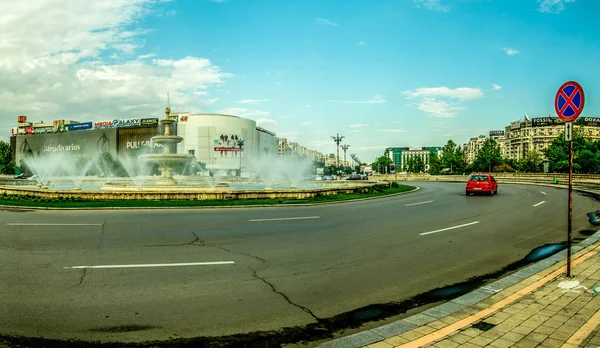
x,y
220,141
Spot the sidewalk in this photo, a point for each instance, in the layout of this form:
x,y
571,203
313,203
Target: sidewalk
x,y
535,307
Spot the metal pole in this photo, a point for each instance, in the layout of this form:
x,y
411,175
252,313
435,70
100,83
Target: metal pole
x,y
570,208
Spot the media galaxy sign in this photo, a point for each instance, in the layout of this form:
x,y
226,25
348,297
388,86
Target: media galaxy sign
x,y
118,123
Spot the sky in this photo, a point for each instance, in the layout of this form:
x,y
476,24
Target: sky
x,y
378,72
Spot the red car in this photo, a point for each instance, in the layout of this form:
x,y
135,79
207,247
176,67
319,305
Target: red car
x,y
482,183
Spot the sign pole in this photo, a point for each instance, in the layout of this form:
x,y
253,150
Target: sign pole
x,y
570,208
568,103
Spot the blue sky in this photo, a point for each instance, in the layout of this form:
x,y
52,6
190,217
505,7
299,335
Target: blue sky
x,y
380,72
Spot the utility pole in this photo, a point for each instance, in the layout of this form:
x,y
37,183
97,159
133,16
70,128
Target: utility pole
x,y
345,148
337,139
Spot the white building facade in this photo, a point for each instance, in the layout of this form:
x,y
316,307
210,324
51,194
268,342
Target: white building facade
x,y
215,139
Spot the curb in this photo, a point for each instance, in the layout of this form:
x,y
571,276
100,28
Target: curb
x,y
13,207
399,327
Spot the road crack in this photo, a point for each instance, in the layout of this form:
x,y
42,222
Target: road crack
x,y
82,276
308,311
103,225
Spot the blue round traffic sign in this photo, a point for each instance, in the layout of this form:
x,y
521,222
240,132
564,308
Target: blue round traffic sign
x,y
569,101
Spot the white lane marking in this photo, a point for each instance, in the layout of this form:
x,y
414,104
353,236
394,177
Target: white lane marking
x,y
157,265
540,203
542,192
47,224
449,228
289,218
410,204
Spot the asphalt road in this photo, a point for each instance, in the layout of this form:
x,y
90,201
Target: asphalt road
x,y
324,261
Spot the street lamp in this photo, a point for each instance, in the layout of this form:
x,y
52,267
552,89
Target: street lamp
x,y
345,148
241,145
337,139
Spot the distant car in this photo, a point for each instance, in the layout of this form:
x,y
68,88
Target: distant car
x,y
21,176
328,177
354,177
481,183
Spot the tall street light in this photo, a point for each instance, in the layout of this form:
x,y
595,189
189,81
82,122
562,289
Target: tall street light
x,y
337,139
345,148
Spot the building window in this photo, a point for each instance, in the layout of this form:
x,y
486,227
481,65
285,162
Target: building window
x,y
192,152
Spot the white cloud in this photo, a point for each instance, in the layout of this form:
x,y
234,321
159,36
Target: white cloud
x,y
462,93
391,130
358,125
353,131
361,43
496,87
553,6
56,55
171,13
146,56
375,100
252,101
433,5
509,51
306,123
438,108
243,112
325,21
265,121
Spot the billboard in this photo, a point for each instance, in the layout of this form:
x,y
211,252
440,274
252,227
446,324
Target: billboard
x,y
497,133
149,121
320,171
22,119
226,144
588,121
91,143
103,124
136,141
542,121
515,125
79,126
127,122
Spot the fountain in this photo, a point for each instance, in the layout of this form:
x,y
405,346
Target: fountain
x,y
166,161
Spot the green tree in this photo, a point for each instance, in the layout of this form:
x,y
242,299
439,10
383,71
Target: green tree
x,y
7,165
414,164
557,153
452,158
382,164
488,156
435,163
532,163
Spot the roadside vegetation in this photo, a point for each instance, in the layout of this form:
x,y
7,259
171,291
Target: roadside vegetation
x,y
74,201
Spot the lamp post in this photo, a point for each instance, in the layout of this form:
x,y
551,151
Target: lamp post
x,y
241,145
337,139
345,148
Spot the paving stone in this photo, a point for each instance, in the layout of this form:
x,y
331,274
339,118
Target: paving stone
x,y
526,344
394,329
545,330
381,344
560,335
523,330
481,341
396,340
357,340
536,336
451,307
513,336
419,319
501,343
446,344
460,338
411,335
472,332
552,343
424,330
471,298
